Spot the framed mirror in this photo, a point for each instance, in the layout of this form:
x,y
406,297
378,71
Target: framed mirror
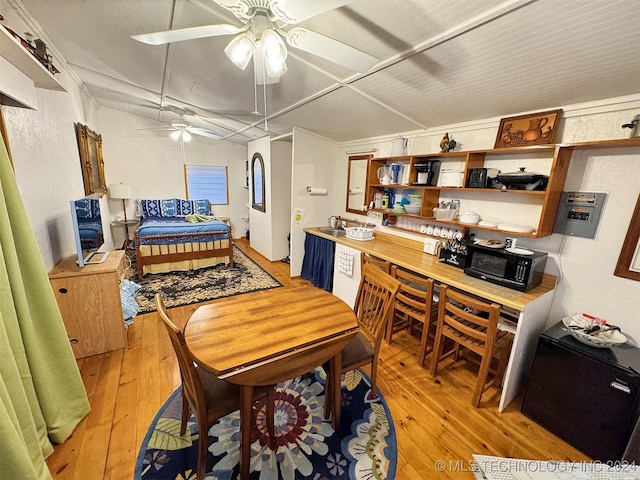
x,y
357,183
257,183
90,148
629,262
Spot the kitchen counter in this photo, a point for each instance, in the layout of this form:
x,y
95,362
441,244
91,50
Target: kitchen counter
x,y
408,254
531,308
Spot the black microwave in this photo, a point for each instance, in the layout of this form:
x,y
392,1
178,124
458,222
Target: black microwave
x,y
520,270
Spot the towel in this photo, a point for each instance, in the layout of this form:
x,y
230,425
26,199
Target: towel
x,y
198,217
128,292
345,263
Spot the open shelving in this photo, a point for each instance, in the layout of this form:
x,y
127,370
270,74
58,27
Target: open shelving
x,y
557,157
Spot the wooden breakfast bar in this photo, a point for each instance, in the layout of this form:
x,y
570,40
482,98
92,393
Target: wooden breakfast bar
x,y
530,309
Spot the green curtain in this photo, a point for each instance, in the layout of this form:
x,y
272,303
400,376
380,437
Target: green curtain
x,y
42,397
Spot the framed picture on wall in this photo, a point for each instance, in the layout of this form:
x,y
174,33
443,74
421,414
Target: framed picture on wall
x,y
532,129
629,262
90,148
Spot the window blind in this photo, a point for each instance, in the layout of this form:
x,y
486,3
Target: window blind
x,y
207,181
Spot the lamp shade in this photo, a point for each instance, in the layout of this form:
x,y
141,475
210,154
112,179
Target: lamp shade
x,y
240,50
121,190
274,53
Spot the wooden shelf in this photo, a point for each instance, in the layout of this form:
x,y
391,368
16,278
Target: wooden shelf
x,y
12,51
618,143
548,199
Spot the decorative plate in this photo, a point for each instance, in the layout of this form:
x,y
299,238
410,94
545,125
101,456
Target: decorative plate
x,y
490,243
577,325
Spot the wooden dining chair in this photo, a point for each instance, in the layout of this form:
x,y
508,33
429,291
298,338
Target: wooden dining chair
x,y
472,324
379,263
373,308
413,304
205,394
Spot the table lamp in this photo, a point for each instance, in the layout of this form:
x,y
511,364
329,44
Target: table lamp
x,y
122,191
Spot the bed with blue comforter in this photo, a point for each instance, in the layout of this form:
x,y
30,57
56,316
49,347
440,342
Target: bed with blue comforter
x,y
176,234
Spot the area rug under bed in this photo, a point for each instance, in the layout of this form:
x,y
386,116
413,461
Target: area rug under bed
x,y
185,288
307,446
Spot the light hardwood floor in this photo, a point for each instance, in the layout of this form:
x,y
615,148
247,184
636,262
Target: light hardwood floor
x,y
433,419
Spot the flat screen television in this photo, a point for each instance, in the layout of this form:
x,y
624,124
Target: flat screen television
x,y
86,218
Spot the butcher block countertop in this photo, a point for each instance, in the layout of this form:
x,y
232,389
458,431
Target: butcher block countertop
x,y
408,254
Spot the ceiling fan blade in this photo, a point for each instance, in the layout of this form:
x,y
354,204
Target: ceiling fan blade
x,y
239,8
157,129
330,49
295,11
204,133
191,33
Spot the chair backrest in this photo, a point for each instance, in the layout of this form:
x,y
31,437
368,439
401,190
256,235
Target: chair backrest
x,y
472,322
374,303
191,383
415,294
380,263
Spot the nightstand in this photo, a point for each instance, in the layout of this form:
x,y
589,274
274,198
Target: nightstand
x,y
126,224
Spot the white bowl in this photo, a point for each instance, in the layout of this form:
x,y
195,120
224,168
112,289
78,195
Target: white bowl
x,y
469,217
412,209
576,326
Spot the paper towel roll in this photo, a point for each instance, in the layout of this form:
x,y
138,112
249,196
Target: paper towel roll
x,y
316,191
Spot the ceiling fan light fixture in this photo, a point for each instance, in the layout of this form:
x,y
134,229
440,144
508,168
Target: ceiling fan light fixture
x,y
275,69
274,52
239,50
175,135
186,136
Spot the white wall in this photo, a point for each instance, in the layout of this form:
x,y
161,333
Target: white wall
x,y
314,164
281,162
584,266
260,226
47,164
153,164
269,229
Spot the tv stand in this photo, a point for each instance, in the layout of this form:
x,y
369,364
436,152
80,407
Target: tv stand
x,y
89,300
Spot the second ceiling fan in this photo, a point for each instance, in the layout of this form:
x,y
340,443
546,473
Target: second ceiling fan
x,y
183,131
263,33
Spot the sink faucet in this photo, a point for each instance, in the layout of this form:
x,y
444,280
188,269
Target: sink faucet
x,y
340,223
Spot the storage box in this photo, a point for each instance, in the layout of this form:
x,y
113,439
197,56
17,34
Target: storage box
x,y
445,213
454,259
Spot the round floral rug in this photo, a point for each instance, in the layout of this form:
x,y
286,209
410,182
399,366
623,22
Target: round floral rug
x,y
306,446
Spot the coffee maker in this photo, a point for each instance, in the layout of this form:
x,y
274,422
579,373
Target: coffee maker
x,y
427,172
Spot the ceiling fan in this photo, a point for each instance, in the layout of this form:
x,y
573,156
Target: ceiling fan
x,y
183,131
264,30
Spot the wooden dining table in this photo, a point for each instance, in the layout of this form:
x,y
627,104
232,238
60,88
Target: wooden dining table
x,y
265,337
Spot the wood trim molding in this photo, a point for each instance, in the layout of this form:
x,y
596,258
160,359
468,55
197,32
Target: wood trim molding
x,y
630,246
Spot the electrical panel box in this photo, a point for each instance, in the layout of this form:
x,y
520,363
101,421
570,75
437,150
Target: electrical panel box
x,y
579,213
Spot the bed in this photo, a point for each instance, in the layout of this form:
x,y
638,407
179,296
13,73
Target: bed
x,y
180,235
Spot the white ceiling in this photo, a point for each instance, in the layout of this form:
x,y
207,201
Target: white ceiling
x,y
441,62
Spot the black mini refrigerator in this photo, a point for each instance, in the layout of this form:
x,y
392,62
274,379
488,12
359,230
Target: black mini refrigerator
x,y
588,396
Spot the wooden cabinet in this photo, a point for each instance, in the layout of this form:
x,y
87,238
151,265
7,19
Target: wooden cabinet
x,y
551,160
90,304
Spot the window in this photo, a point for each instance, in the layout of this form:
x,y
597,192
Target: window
x,y
207,181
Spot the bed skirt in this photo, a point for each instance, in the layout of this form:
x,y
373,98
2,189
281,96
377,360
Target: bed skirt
x,y
162,257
